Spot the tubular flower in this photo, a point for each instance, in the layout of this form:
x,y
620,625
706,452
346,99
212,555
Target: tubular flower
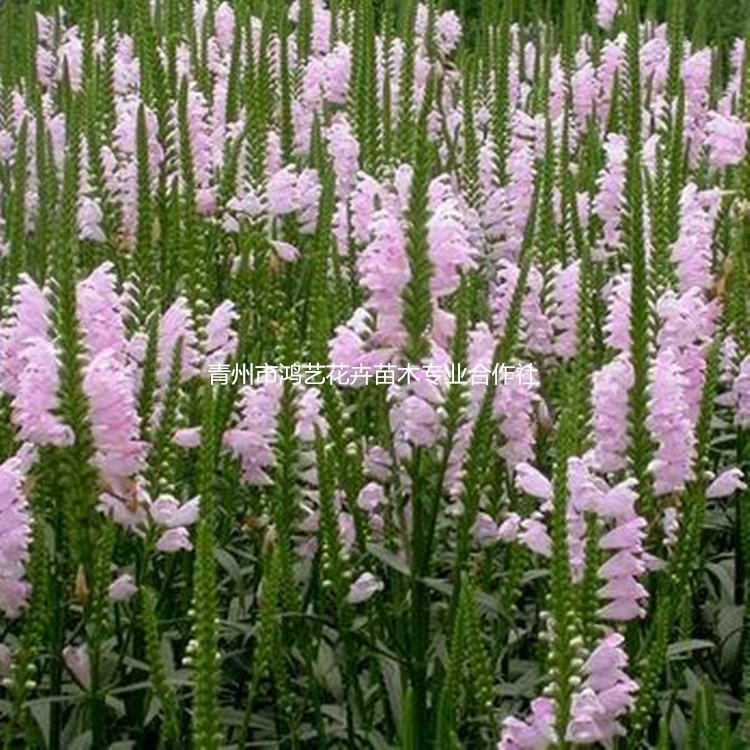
x,y
77,660
364,588
174,518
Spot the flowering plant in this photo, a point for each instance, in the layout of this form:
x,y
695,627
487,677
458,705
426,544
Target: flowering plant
x,y
417,561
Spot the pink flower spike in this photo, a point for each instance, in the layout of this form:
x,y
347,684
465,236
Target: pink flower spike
x,y
606,10
726,141
15,532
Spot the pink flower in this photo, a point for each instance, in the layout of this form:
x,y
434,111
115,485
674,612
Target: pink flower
x,y
502,291
221,340
201,145
310,419
177,327
485,530
187,437
606,694
99,311
671,526
36,402
224,22
282,195
70,58
364,199
533,482
365,587
606,10
413,420
565,310
688,324
669,424
619,502
535,537
585,92
537,326
344,150
727,483
167,511
77,661
741,394
173,540
90,218
611,405
123,588
448,30
338,65
448,238
28,318
726,141
536,733
514,406
691,253
384,271
286,252
253,439
617,324
608,201
115,426
15,532
509,528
